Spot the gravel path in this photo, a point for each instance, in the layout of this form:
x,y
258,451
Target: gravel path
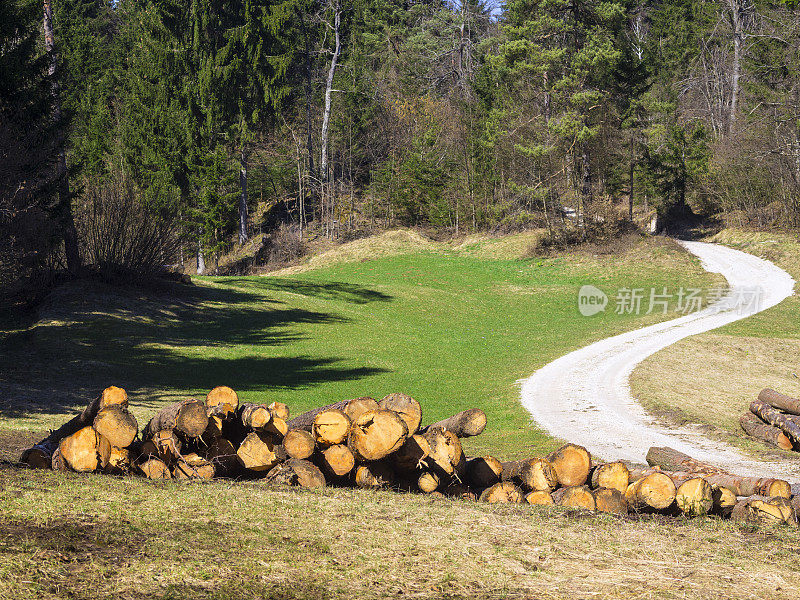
x,y
585,397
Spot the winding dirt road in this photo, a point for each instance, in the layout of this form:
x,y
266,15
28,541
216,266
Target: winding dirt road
x,y
585,397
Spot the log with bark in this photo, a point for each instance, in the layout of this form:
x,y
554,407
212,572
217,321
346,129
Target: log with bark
x,y
377,433
330,427
254,417
193,466
257,452
164,445
296,472
40,455
655,491
428,482
610,500
576,496
337,460
760,509
85,450
613,475
119,462
694,497
537,475
374,475
539,498
221,453
222,401
279,410
483,471
572,464
464,424
412,454
780,401
154,468
789,424
117,425
306,420
724,500
187,418
298,443
755,427
405,406
502,493
358,406
446,454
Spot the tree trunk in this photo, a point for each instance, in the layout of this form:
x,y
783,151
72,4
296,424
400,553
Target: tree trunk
x,y
579,496
789,425
613,475
465,424
305,421
736,14
405,406
376,434
631,170
243,196
756,428
326,115
572,464
187,417
780,401
299,444
201,260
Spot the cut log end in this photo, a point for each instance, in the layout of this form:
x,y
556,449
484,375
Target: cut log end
x,y
117,425
610,500
299,444
613,475
572,464
221,401
376,434
337,460
578,496
405,406
374,476
296,472
694,497
330,428
484,471
502,493
539,498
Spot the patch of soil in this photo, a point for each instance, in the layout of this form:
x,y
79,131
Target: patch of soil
x,y
12,443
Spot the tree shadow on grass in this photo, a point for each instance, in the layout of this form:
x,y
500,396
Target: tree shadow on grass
x,y
90,336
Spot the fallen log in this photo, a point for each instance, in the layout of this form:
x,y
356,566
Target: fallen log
x,y
537,474
337,460
358,406
613,475
85,450
279,410
577,496
330,428
427,482
257,452
539,498
277,427
296,472
760,509
40,455
670,459
610,500
786,423
376,434
780,401
412,454
655,491
502,493
222,401
298,443
572,464
154,468
405,406
694,497
187,417
254,416
374,475
483,471
446,453
464,424
117,425
306,420
755,427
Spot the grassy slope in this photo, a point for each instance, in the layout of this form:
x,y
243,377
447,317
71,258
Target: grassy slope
x,y
712,378
452,328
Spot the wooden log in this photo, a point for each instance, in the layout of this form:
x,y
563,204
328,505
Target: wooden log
x,y
446,453
306,420
483,471
254,416
412,454
277,427
330,427
376,434
572,464
788,424
164,445
460,491
296,472
279,410
427,482
694,497
576,496
755,427
40,455
724,500
670,459
117,425
511,469
750,486
337,460
610,500
539,498
795,502
405,406
85,450
221,453
464,424
154,468
222,401
119,462
780,401
57,463
760,509
374,475
299,444
655,491
193,466
613,475
358,406
537,475
257,452
187,417
502,493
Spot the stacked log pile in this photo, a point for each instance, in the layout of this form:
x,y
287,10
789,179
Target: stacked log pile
x,y
373,444
774,418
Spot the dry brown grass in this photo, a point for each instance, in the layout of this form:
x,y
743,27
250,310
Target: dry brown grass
x,y
72,536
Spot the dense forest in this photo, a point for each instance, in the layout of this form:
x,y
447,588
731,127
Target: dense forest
x,y
139,133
